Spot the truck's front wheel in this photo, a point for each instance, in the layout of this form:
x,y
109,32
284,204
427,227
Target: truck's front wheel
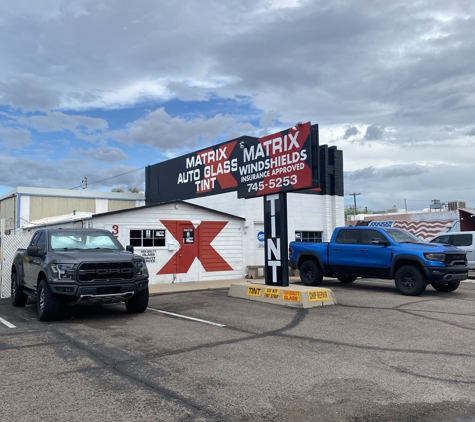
x,y
138,302
310,273
410,281
19,298
48,305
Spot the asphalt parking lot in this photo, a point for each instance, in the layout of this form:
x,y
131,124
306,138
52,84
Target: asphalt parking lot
x,y
376,356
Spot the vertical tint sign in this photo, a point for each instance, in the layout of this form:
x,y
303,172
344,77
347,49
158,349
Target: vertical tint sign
x,y
275,228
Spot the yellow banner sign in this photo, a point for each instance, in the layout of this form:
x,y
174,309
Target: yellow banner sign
x,y
254,291
315,295
291,295
271,293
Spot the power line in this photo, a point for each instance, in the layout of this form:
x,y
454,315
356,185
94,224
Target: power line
x,y
103,180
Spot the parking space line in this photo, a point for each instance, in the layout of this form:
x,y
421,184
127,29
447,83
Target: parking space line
x,y
3,321
187,317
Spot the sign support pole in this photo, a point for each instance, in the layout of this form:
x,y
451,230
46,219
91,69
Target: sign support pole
x,y
276,240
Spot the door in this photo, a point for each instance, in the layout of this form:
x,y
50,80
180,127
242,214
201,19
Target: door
x,y
344,253
375,257
188,251
32,264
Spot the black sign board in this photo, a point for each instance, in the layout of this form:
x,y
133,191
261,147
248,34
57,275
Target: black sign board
x,y
281,162
275,229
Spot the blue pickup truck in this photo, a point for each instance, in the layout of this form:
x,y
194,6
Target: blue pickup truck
x,y
377,252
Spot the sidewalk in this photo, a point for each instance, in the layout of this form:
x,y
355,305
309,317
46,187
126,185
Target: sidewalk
x,y
165,288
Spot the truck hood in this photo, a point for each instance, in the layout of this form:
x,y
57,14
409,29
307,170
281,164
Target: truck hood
x,y
431,247
76,256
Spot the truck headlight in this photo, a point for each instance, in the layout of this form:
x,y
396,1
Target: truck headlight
x,y
141,268
64,271
434,256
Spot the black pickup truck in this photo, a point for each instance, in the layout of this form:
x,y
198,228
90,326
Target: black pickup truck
x,y
83,266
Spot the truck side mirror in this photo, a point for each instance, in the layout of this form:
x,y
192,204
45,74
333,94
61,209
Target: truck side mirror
x,y
380,242
129,248
33,250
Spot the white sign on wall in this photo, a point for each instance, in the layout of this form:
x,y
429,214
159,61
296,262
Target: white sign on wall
x,y
149,255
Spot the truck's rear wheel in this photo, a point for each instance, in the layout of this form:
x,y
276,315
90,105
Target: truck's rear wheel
x,y
310,273
138,302
345,279
446,287
48,306
410,281
19,298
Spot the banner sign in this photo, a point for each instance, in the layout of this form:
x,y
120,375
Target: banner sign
x,y
282,162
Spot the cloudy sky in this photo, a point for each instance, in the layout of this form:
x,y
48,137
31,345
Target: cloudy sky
x,y
103,88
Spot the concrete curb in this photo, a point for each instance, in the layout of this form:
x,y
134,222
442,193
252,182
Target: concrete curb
x,y
295,296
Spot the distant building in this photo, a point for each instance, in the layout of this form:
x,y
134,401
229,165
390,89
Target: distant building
x,y
425,224
26,206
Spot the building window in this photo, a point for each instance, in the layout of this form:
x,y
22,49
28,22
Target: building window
x,y
147,237
301,236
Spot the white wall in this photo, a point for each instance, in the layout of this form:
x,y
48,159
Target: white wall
x,y
305,212
228,243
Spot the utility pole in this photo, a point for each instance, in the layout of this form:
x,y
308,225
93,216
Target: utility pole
x,y
354,199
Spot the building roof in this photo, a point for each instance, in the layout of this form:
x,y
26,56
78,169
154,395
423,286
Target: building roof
x,y
166,203
71,193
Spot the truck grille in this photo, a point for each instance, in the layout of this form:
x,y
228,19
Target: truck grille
x,y
455,259
106,271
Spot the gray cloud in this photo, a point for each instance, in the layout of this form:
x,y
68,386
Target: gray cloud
x,y
471,132
106,154
14,138
29,93
166,133
351,131
373,133
56,121
406,170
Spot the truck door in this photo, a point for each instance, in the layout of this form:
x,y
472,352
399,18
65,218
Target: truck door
x,y
375,257
343,254
32,264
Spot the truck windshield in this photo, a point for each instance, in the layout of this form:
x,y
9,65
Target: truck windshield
x,y
402,236
75,240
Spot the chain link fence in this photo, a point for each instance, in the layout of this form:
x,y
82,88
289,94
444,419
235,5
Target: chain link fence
x,y
8,247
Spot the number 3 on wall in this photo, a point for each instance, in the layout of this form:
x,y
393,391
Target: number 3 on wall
x,y
115,230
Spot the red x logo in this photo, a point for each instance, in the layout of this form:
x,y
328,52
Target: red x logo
x,y
217,169
195,242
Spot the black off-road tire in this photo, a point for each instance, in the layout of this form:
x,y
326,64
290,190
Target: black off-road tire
x,y
19,298
48,306
410,281
137,303
446,288
346,279
310,273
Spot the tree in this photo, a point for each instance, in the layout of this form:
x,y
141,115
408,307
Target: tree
x,y
129,189
350,210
